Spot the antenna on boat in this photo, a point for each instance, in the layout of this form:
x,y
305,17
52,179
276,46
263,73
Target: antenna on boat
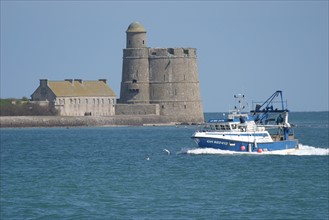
x,y
240,103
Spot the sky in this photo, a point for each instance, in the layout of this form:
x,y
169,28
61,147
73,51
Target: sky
x,y
248,47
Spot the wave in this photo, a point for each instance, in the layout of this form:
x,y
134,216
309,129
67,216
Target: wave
x,y
303,150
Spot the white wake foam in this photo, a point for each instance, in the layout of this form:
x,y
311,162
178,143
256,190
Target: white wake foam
x,y
302,151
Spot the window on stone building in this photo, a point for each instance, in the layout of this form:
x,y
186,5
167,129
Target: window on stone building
x,y
154,53
185,106
186,52
134,81
71,101
94,101
143,42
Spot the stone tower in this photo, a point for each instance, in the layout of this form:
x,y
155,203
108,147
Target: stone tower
x,y
165,78
135,67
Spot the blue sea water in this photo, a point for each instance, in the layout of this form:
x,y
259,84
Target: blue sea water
x,y
125,173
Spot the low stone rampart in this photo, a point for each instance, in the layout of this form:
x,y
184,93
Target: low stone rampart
x,y
67,121
136,109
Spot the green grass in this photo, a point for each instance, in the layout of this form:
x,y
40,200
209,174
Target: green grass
x,y
4,102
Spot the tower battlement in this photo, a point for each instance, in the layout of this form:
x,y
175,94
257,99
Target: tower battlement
x,y
172,52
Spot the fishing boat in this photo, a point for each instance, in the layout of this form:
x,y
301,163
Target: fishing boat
x,y
265,128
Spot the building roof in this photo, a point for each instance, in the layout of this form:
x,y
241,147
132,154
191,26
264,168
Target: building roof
x,y
80,88
136,27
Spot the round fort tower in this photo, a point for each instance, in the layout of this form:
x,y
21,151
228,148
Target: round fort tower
x,y
162,79
174,83
135,66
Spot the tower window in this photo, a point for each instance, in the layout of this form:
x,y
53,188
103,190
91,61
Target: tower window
x,y
134,90
154,53
143,41
186,52
134,81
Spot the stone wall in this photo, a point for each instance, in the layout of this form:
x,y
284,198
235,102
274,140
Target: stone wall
x,y
58,121
80,106
136,109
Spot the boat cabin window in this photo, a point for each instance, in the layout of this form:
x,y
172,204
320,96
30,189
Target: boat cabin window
x,y
233,126
242,128
220,127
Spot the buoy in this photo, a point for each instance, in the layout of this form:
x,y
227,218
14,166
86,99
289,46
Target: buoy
x,y
259,150
242,148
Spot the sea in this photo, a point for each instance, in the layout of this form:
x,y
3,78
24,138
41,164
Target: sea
x,y
157,172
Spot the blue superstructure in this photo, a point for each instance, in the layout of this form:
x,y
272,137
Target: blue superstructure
x,y
265,129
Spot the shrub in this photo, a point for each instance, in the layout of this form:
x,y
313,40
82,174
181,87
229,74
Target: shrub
x,y
24,109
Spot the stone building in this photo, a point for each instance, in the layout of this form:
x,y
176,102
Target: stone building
x,y
76,97
160,81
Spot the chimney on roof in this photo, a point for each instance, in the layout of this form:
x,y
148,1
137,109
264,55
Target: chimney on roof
x,y
69,80
103,80
43,82
78,80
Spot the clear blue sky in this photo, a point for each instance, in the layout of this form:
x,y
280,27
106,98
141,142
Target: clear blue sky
x,y
250,47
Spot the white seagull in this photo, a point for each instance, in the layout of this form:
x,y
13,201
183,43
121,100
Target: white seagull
x,y
166,150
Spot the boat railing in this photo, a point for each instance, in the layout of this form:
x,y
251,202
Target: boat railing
x,y
229,127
